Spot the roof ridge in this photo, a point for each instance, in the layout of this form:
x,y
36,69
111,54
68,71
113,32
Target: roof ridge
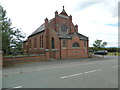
x,y
40,28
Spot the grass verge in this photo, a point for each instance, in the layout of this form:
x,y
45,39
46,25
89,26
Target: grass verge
x,y
114,53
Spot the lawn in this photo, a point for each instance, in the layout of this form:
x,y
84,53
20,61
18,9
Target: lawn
x,y
114,53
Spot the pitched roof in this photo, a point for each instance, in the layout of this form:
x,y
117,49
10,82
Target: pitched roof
x,y
63,12
40,29
82,37
69,36
64,36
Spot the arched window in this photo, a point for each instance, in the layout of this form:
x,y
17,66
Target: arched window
x,y
76,44
84,43
64,28
40,42
64,43
52,43
30,44
35,43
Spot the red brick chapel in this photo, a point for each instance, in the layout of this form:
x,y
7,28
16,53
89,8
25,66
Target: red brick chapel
x,y
57,38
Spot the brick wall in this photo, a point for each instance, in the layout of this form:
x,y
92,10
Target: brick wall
x,y
12,60
52,29
40,44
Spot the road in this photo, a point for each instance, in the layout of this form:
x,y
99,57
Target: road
x,y
99,73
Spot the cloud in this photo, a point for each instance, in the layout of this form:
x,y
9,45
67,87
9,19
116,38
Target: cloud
x,y
97,22
95,18
84,5
107,5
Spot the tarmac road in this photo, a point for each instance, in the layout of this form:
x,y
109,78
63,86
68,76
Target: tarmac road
x,y
82,73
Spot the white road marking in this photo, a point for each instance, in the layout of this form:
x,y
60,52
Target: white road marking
x,y
18,87
115,66
93,71
72,65
71,75
79,74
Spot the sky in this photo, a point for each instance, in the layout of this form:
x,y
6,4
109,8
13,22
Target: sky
x,y
96,19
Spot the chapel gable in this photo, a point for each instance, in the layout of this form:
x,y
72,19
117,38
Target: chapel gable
x,y
57,38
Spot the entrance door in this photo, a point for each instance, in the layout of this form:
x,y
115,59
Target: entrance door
x,y
52,52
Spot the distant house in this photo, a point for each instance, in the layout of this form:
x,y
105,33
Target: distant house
x,y
57,38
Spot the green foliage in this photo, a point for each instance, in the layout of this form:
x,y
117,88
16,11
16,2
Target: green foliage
x,y
109,49
0,28
98,44
11,36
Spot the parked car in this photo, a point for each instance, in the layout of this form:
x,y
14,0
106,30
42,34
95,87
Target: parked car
x,y
101,52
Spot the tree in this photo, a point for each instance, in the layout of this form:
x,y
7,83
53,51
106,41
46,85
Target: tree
x,y
11,36
98,44
0,28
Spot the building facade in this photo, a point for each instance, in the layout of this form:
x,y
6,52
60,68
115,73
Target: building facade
x,y
57,38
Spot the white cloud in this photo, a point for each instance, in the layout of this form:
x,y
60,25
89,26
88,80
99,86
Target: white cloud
x,y
92,22
90,15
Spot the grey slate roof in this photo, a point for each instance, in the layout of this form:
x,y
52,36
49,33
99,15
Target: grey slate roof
x,y
64,36
82,37
69,36
40,29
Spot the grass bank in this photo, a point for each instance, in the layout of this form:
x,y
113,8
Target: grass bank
x,y
114,53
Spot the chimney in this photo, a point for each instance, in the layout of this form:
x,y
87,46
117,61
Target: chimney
x,y
70,17
76,26
56,13
46,34
46,23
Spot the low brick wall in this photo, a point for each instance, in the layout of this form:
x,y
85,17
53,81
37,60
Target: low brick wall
x,y
13,60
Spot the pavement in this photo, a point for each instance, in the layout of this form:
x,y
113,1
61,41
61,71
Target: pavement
x,y
97,72
32,66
